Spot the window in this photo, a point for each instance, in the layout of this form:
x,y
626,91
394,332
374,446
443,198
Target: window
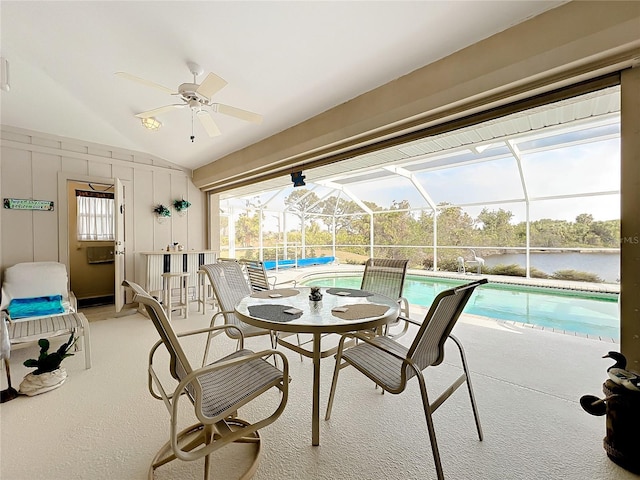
x,y
95,215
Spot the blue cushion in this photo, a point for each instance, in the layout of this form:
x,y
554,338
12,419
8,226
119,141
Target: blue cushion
x,y
35,307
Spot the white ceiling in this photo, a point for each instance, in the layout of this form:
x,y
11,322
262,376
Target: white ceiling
x,y
285,60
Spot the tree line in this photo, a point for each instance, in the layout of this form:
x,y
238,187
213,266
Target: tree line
x,y
406,229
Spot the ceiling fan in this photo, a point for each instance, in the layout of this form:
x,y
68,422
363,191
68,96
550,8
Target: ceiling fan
x,y
198,98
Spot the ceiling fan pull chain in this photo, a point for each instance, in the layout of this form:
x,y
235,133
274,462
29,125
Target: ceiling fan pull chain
x,y
192,135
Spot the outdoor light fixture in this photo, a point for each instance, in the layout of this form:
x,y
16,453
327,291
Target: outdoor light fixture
x,y
298,179
151,123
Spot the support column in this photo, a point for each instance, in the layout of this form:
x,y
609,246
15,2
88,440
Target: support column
x,y
630,218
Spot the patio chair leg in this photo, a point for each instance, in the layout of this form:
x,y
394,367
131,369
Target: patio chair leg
x,y
334,382
430,427
208,434
472,397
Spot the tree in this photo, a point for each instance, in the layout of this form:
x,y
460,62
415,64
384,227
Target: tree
x,y
455,226
394,227
582,227
299,203
341,210
496,227
247,229
550,233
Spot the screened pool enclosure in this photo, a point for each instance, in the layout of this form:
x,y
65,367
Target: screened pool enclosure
x,y
535,193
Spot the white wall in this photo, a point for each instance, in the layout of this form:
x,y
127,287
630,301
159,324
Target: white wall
x,y
37,165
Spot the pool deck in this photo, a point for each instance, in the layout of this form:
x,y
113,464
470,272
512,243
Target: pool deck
x,y
285,277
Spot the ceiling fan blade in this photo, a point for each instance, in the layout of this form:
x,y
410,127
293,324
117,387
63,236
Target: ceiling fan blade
x,y
143,81
238,113
211,85
208,123
158,111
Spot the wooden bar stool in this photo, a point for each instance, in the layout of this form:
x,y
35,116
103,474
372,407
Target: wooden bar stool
x,y
167,288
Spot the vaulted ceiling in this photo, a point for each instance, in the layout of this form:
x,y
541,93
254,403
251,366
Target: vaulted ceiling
x,y
287,61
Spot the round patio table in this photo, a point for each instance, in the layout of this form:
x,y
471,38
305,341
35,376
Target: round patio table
x,y
341,310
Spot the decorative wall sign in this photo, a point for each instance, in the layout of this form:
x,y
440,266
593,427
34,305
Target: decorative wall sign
x,y
27,204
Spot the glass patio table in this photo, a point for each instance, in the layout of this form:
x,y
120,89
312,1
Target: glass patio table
x,y
341,310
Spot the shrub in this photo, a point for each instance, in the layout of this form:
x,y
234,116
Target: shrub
x,y
576,275
447,264
514,270
535,273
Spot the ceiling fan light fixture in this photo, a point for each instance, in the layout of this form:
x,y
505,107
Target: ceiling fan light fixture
x,y
151,123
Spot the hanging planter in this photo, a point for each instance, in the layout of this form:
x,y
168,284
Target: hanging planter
x,y
162,213
181,206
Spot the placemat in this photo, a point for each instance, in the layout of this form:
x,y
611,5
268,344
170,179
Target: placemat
x,y
284,293
352,292
273,313
361,310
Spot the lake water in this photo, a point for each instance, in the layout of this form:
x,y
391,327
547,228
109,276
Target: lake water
x,y
605,265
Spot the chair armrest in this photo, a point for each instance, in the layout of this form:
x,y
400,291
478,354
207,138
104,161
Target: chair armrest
x,y
404,307
293,282
218,313
73,301
368,340
410,320
210,329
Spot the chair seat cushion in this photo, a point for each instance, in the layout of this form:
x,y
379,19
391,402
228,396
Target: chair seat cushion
x,y
35,306
380,366
231,387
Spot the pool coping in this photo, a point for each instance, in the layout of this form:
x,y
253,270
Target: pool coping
x,y
346,269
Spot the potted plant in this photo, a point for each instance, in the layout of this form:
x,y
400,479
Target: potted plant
x,y
162,213
48,373
181,206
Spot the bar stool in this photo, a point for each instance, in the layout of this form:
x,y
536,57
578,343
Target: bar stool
x,y
183,300
205,292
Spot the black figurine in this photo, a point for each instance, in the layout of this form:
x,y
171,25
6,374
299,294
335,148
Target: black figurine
x,y
315,295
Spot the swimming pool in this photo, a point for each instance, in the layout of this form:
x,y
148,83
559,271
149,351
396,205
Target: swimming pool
x,y
591,313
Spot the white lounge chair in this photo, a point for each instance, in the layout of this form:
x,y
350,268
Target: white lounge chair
x,y
37,303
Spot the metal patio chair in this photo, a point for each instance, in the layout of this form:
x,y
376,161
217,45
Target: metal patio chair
x,y
257,275
229,287
216,391
390,364
386,277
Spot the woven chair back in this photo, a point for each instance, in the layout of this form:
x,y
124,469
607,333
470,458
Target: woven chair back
x,y
384,276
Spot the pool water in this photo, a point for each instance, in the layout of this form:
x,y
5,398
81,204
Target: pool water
x,y
591,313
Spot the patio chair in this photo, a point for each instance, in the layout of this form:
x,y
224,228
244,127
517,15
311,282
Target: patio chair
x,y
229,287
37,303
390,364
386,277
216,392
257,275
